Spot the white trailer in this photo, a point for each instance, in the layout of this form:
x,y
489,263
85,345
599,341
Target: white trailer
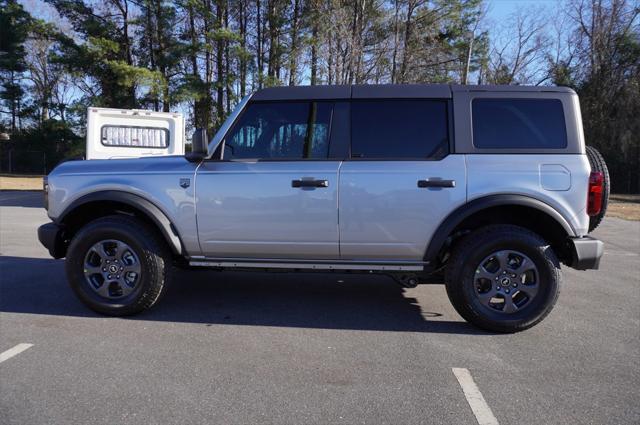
x,y
133,133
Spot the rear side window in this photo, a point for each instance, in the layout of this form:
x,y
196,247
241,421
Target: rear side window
x,y
281,130
399,129
518,124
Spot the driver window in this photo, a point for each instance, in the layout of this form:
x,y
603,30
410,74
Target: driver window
x,y
281,130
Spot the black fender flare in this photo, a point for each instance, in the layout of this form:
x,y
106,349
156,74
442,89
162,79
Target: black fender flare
x,y
461,213
147,207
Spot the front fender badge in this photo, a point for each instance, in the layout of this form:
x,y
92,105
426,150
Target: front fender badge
x,y
185,183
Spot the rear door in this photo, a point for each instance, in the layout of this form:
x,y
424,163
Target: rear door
x,y
401,180
274,193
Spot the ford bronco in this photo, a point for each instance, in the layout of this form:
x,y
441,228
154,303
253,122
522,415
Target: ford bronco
x,y
485,188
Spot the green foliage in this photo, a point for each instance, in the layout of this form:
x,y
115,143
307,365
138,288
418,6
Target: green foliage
x,y
14,28
132,76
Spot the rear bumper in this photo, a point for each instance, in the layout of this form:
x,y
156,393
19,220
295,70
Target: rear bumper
x,y
586,253
50,236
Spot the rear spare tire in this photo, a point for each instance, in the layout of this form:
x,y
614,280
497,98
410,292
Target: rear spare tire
x,y
597,164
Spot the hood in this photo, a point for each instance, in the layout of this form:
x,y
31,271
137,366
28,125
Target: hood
x,y
145,165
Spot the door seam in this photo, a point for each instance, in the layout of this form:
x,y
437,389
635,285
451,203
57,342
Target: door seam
x,y
338,208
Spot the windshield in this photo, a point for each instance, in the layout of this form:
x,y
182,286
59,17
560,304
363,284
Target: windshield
x,y
217,138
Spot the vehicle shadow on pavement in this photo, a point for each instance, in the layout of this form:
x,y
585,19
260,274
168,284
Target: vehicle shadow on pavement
x,y
312,300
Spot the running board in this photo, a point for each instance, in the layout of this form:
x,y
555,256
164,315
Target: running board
x,y
417,266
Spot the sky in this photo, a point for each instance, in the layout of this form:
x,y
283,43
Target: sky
x,y
498,9
501,9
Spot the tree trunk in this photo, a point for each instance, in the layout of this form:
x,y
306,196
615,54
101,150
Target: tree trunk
x,y
314,43
151,47
199,108
227,72
273,38
406,55
396,40
126,44
220,44
293,54
208,71
259,35
243,45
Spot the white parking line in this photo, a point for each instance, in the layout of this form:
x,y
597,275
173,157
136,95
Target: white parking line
x,y
476,401
14,351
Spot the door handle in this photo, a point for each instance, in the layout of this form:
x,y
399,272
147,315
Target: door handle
x,y
309,183
436,183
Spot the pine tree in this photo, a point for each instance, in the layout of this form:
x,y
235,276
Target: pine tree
x,y
14,29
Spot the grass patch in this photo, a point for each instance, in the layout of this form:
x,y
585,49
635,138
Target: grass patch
x,y
624,206
625,198
20,183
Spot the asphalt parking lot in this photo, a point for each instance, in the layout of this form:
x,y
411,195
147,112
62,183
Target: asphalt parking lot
x,y
251,348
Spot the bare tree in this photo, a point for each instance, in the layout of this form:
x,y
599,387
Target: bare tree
x,y
42,74
519,48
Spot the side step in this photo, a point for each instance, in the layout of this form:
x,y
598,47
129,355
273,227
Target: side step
x,y
417,266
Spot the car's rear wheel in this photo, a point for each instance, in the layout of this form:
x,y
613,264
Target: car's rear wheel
x,y
118,265
503,278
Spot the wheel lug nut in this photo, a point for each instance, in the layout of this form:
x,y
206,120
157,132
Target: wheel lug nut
x,y
104,269
515,285
507,291
118,277
121,268
108,276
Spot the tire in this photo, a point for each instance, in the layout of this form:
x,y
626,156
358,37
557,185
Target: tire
x,y
597,164
129,248
470,271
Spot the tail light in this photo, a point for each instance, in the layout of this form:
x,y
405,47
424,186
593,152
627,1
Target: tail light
x,y
594,199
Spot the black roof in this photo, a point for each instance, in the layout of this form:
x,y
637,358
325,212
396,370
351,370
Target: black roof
x,y
372,91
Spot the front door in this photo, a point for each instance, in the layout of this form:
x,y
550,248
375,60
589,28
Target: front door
x,y
274,193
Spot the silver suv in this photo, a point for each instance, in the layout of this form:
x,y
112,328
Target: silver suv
x,y
486,188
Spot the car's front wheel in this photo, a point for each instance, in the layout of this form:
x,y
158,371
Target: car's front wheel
x,y
118,265
503,278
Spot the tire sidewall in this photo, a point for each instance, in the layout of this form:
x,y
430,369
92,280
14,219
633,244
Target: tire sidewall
x,y
548,281
81,244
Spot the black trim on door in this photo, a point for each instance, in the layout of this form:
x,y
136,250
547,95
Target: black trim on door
x,y
340,139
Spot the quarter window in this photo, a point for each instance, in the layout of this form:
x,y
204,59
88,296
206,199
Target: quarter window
x,y
518,124
286,130
399,129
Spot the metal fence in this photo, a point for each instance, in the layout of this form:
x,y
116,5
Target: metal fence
x,y
14,161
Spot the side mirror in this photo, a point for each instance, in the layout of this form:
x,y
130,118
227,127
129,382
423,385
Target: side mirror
x,y
199,145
